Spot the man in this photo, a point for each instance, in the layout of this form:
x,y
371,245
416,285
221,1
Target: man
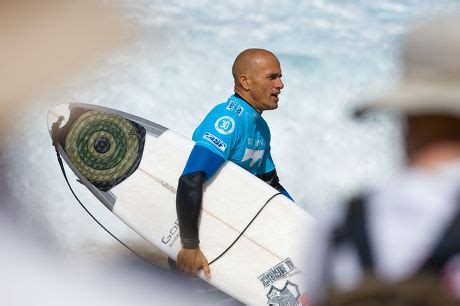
x,y
410,226
233,131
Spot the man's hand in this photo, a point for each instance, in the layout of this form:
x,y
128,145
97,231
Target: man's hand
x,y
191,261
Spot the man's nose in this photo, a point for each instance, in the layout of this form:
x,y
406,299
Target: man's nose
x,y
279,84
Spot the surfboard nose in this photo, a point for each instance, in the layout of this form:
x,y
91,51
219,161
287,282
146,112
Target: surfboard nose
x,y
55,114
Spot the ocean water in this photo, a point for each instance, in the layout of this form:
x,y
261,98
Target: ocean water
x,y
333,53
177,66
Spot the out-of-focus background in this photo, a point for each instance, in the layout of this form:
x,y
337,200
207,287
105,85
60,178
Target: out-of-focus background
x,y
170,62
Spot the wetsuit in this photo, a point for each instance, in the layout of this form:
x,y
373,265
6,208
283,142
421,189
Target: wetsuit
x,y
233,131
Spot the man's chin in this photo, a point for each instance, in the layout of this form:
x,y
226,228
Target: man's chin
x,y
274,102
273,106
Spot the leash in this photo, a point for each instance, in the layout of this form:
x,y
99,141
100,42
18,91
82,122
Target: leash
x,y
244,230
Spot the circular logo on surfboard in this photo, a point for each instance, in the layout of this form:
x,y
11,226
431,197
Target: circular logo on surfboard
x,y
105,148
225,125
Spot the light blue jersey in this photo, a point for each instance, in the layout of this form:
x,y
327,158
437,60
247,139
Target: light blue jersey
x,y
236,131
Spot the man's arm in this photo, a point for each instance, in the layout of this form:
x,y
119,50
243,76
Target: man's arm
x,y
273,180
201,165
188,206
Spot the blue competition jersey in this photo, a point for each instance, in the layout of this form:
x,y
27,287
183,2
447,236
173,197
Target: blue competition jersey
x,y
236,131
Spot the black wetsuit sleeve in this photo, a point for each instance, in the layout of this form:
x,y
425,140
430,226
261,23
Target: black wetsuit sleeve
x,y
273,180
188,205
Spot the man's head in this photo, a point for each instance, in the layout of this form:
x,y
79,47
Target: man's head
x,y
428,97
257,76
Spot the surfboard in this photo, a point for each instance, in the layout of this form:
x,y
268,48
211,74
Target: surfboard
x,y
253,237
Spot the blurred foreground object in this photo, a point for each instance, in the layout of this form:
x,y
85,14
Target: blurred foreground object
x,y
43,43
386,245
32,275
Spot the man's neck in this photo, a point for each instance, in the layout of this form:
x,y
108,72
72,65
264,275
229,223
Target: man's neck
x,y
238,95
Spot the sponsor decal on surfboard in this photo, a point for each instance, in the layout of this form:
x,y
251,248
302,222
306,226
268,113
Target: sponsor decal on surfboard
x,y
279,271
288,295
171,236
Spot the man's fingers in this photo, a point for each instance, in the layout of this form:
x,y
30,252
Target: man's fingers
x,y
206,269
190,261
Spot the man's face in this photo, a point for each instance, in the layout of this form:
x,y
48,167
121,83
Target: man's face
x,y
265,83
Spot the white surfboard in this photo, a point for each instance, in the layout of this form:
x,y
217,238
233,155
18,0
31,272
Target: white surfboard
x,y
253,237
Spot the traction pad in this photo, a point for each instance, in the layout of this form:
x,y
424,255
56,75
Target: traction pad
x,y
104,147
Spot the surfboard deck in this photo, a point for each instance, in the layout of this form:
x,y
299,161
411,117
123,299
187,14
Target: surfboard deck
x,y
252,236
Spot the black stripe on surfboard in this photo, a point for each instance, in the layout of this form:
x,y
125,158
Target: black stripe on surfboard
x,y
61,164
240,233
244,230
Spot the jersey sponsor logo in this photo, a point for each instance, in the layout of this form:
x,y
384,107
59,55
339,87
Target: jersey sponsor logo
x,y
255,155
260,142
279,271
215,141
231,105
225,125
239,110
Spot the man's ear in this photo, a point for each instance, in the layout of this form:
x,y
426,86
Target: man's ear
x,y
244,81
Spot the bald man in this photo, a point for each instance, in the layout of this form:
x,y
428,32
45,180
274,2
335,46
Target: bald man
x,y
236,131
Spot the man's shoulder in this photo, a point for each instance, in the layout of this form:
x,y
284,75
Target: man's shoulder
x,y
226,109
